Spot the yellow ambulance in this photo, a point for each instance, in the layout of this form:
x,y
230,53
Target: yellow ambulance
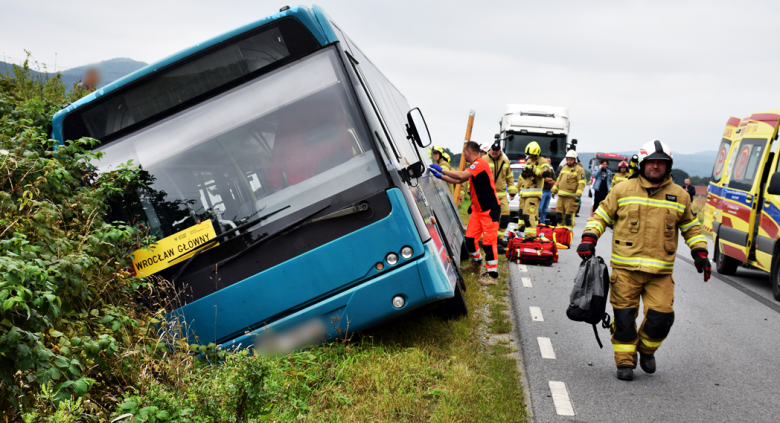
x,y
747,224
729,141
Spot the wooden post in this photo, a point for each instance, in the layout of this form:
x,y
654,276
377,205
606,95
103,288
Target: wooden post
x,y
462,156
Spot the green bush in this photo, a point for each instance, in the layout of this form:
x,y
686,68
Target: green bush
x,y
75,342
61,268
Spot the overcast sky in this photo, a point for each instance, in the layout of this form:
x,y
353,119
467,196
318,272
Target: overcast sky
x,y
629,72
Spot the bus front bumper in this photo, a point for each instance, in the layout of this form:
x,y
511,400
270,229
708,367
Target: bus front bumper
x,y
418,283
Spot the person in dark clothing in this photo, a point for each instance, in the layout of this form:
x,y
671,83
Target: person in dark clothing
x,y
691,190
602,182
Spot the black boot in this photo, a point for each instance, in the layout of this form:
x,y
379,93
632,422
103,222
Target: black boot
x,y
647,362
625,372
502,242
501,249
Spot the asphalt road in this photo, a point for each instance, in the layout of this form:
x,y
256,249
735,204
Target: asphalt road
x,y
717,364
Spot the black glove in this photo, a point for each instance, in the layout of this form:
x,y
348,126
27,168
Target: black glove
x,y
702,262
547,174
469,211
587,247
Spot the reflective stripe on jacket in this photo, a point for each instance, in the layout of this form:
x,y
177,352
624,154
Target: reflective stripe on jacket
x,y
618,178
570,182
533,185
645,227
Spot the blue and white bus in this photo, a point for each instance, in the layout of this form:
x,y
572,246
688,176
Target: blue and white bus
x,y
285,182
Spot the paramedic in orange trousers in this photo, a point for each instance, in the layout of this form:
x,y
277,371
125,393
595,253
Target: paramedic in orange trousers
x,y
486,210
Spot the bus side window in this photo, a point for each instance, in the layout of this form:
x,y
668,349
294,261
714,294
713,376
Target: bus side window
x,y
383,92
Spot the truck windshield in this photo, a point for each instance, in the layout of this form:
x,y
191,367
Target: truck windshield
x,y
613,164
553,146
291,137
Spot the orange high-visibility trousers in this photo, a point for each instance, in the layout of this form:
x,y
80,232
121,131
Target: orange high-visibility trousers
x,y
484,225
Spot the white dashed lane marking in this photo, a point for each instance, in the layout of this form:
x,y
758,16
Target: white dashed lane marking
x,y
545,347
536,314
527,282
560,396
522,268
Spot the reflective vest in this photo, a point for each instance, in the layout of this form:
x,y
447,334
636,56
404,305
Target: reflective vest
x,y
571,181
533,184
502,175
619,177
645,227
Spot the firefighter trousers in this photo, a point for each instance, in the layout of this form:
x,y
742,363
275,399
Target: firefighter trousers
x,y
565,209
529,212
503,221
484,225
657,293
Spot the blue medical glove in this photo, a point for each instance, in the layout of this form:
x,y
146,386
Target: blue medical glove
x,y
435,167
434,173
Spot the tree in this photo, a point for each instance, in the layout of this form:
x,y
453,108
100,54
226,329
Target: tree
x,y
679,176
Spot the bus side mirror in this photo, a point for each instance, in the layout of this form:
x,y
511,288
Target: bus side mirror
x,y
774,184
417,129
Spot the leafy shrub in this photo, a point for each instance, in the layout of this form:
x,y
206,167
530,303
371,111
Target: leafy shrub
x,y
75,342
61,268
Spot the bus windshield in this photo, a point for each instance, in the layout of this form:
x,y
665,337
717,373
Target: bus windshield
x,y
553,146
289,138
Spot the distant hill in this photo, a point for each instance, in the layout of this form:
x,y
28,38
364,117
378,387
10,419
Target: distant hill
x,y
697,164
110,70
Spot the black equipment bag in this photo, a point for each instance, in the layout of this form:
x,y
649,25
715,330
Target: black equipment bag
x,y
588,300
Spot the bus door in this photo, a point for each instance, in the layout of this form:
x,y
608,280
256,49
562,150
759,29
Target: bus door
x,y
431,195
743,199
715,188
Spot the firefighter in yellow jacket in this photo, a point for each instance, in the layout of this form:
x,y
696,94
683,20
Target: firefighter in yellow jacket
x,y
535,170
621,176
505,186
647,211
439,157
568,188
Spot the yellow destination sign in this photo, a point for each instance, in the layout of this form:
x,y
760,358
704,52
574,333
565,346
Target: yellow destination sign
x,y
173,249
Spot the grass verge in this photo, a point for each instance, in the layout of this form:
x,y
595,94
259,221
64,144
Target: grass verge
x,y
420,368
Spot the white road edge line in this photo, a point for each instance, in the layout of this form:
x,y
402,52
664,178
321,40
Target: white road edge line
x,y
536,314
546,348
560,396
527,282
522,268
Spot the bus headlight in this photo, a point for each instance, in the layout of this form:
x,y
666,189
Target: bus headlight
x,y
398,301
407,252
392,259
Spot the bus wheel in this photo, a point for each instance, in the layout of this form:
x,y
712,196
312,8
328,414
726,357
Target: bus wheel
x,y
724,264
454,307
775,277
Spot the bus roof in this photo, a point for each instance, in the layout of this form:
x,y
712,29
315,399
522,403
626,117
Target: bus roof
x,y
314,19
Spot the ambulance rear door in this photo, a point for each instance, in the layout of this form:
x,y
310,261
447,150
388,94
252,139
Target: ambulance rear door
x,y
768,229
743,198
715,188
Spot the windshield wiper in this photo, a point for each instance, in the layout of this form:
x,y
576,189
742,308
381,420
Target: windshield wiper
x,y
280,232
211,242
343,212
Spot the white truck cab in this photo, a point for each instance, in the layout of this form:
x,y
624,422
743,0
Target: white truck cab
x,y
547,125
